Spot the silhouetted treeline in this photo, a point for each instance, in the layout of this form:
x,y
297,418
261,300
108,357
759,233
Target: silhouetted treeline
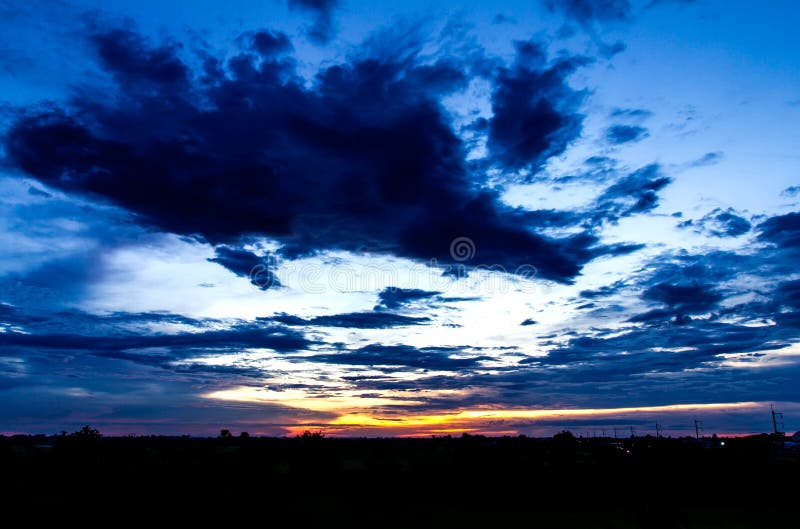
x,y
468,481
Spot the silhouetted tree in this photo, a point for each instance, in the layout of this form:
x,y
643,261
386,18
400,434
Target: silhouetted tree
x,y
244,435
87,433
564,437
312,435
225,434
564,445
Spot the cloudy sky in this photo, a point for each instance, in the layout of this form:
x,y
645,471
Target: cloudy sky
x,y
399,218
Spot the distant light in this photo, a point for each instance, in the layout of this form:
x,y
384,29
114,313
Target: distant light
x,y
722,443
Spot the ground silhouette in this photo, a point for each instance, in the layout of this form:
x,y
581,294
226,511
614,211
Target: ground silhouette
x,y
468,481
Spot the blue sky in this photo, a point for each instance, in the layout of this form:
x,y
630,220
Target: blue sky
x,y
402,218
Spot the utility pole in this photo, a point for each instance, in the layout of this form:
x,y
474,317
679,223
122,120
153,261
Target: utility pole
x,y
615,432
777,418
632,434
697,427
658,430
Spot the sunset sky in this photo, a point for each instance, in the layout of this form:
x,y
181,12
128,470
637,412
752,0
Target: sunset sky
x,y
399,218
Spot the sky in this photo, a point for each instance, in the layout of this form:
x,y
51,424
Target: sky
x,y
399,218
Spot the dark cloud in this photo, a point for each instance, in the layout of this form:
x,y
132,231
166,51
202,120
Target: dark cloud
x,y
628,194
10,315
269,43
782,230
137,66
684,285
712,267
528,321
596,169
354,320
683,298
791,191
247,264
623,249
321,30
277,338
394,298
589,15
599,161
42,321
535,110
646,349
586,12
604,291
787,294
551,218
632,194
719,223
619,134
660,316
631,113
434,358
362,159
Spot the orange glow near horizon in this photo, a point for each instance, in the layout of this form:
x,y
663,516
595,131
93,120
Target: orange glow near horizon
x,y
347,413
467,416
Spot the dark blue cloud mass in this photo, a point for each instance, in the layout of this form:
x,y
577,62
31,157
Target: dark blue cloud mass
x,y
321,30
436,358
603,291
680,300
247,264
353,320
719,223
633,194
586,12
316,167
535,110
619,134
267,43
394,298
791,191
631,113
693,297
277,338
783,231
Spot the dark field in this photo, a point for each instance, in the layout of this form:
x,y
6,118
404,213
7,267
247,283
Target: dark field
x,y
446,482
